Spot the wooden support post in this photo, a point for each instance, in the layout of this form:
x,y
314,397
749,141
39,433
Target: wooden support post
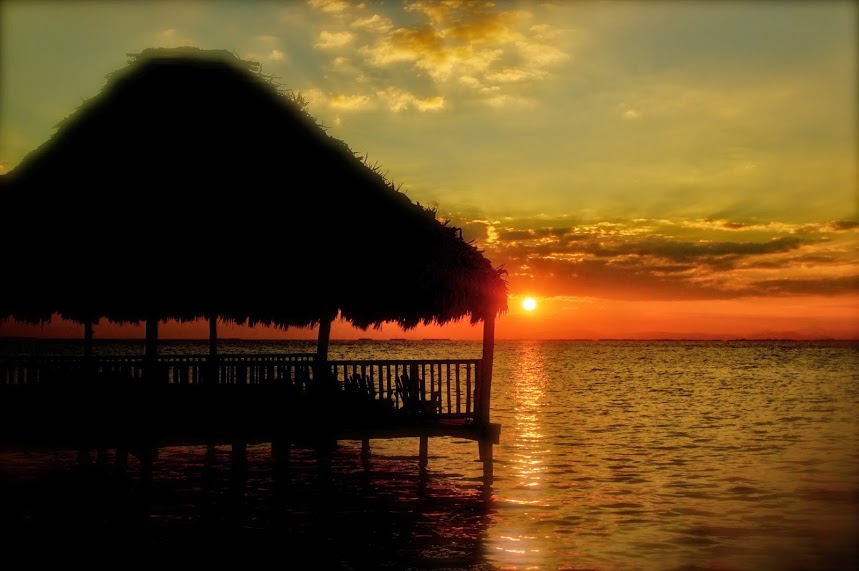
x,y
88,364
88,339
423,454
212,365
484,390
485,448
150,355
365,449
86,378
213,336
323,339
320,372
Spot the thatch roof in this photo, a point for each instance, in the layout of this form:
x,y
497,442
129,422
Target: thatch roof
x,y
192,186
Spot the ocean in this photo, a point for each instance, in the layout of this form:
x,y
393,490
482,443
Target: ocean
x,y
614,455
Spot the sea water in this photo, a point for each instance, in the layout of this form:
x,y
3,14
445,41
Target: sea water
x,y
614,455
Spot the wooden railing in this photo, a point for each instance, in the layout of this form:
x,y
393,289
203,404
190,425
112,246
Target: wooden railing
x,y
173,369
441,387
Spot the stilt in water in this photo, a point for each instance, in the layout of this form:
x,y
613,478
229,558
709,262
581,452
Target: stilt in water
x,y
212,363
365,449
150,355
86,380
486,457
88,369
423,454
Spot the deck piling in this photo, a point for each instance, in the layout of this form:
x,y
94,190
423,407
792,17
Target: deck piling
x,y
485,448
423,454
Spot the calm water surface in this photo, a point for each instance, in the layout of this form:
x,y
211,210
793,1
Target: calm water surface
x,y
613,456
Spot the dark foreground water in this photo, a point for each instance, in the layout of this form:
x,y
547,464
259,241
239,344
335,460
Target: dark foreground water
x,y
613,456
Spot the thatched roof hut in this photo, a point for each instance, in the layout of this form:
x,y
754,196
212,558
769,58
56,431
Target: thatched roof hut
x,y
192,186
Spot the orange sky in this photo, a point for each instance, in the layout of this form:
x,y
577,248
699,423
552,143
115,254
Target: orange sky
x,y
807,317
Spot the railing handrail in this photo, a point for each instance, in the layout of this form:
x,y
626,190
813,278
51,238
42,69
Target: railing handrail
x,y
159,358
228,357
403,361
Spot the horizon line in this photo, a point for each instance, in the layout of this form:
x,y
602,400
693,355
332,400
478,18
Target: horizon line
x,y
424,340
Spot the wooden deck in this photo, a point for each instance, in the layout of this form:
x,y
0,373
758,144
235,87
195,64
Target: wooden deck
x,y
129,403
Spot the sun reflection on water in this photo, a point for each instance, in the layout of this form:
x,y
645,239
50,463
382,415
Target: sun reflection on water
x,y
512,545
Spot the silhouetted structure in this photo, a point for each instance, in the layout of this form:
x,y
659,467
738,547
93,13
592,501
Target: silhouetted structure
x,y
226,200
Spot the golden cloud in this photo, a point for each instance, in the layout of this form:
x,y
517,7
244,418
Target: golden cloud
x,y
333,40
330,6
399,100
628,259
485,51
375,23
350,102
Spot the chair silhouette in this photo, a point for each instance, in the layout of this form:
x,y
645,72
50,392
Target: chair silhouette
x,y
413,404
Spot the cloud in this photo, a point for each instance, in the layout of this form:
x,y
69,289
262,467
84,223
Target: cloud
x,y
844,225
721,224
374,23
513,75
350,102
657,259
397,100
330,6
807,286
467,49
332,40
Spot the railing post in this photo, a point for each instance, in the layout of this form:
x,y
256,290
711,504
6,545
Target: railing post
x,y
88,365
415,382
150,360
321,372
212,363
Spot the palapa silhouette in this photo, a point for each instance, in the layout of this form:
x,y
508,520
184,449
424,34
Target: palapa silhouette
x,y
193,186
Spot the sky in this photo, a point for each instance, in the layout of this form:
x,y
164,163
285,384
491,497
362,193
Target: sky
x,y
640,169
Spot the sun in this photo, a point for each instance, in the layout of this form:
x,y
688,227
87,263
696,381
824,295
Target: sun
x,y
529,304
